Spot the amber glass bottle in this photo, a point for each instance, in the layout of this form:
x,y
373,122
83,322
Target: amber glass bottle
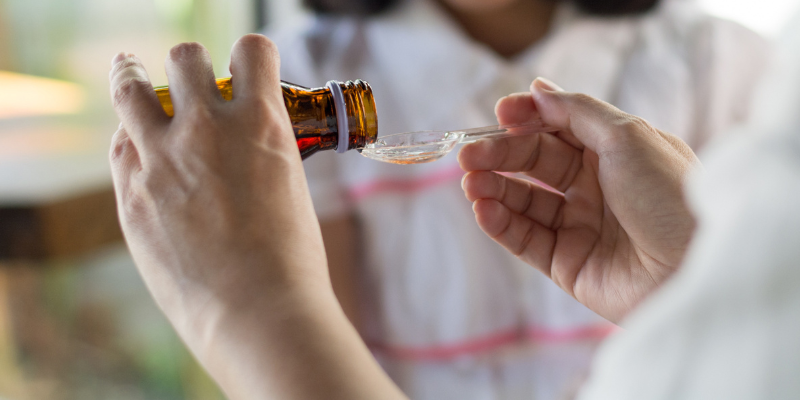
x,y
340,116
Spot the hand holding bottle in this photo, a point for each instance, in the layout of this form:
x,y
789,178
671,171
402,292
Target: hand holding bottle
x,y
620,225
218,218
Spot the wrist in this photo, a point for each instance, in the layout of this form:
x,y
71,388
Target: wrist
x,y
260,340
272,343
205,314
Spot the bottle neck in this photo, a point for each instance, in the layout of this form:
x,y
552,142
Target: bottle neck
x,y
342,124
340,116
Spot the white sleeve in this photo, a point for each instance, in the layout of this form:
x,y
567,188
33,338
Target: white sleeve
x,y
727,326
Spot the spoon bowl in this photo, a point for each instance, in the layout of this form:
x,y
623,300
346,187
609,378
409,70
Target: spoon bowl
x,y
412,147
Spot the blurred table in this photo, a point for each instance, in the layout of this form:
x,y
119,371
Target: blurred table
x,y
56,202
56,198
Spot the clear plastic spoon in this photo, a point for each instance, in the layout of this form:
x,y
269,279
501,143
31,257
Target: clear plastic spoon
x,y
429,146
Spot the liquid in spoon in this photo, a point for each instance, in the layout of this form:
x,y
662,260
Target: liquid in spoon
x,y
418,148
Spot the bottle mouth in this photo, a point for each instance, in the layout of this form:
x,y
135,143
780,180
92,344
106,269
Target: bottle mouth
x,y
370,113
356,116
364,129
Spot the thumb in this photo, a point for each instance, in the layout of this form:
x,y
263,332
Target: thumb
x,y
583,120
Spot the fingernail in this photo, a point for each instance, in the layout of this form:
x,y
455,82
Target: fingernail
x,y
497,104
122,56
546,85
118,58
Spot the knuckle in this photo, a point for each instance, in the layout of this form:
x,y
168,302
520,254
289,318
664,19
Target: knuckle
x,y
200,118
494,184
134,206
261,107
127,90
625,128
131,198
267,114
585,103
153,179
187,50
581,97
527,238
260,43
121,66
119,146
632,125
284,162
279,134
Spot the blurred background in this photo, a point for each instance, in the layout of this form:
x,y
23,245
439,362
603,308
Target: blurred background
x,y
76,322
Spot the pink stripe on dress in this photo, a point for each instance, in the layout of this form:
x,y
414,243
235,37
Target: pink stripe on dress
x,y
494,341
417,184
404,186
566,335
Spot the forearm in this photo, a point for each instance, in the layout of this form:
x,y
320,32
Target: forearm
x,y
223,231
292,345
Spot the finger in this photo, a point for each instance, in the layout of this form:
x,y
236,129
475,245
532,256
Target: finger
x,y
125,162
521,236
516,108
519,108
135,100
255,67
542,156
584,120
519,196
191,77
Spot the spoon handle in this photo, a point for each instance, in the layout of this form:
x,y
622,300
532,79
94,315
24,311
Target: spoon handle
x,y
501,131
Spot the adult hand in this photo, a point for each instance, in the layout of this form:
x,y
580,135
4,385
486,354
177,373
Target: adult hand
x,y
212,201
217,215
619,225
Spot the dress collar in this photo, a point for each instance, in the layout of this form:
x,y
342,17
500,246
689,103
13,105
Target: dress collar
x,y
429,59
432,66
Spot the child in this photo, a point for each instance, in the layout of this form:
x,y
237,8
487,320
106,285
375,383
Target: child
x,y
447,312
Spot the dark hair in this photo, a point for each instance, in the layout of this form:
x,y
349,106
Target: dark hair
x,y
372,7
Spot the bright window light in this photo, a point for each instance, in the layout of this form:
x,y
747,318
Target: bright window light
x,y
25,95
767,17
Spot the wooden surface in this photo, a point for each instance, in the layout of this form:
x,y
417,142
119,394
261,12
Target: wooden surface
x,y
66,228
56,198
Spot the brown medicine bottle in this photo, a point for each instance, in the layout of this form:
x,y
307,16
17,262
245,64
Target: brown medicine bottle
x,y
340,116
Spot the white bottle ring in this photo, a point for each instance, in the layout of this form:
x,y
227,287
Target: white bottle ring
x,y
341,115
